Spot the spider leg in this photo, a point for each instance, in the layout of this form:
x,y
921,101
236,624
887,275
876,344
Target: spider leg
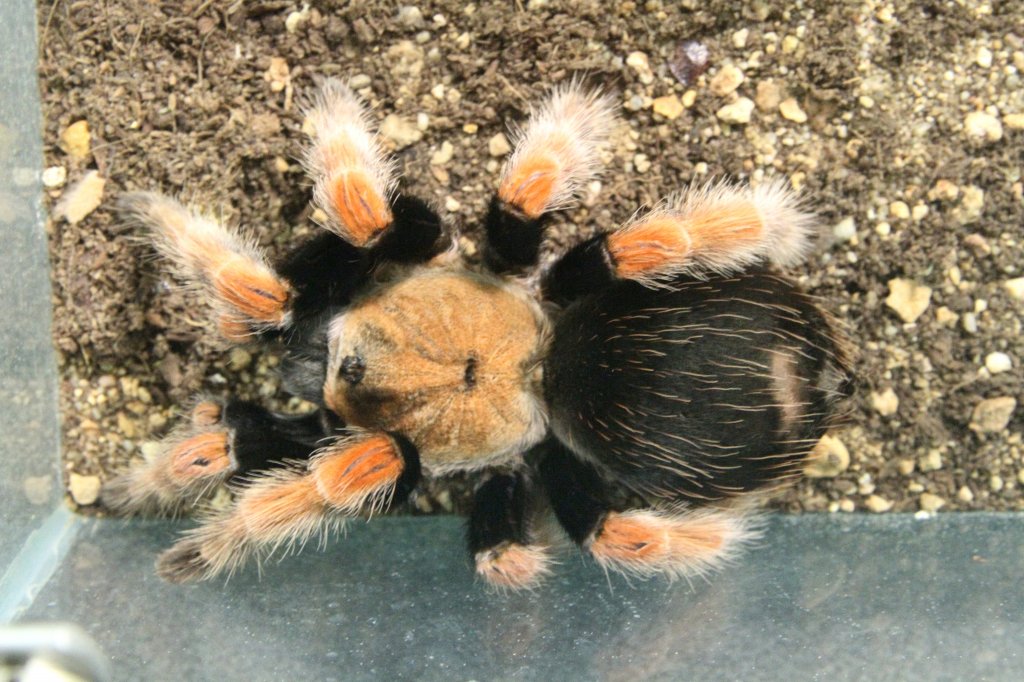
x,y
713,230
674,540
220,441
500,535
355,184
556,155
248,297
286,507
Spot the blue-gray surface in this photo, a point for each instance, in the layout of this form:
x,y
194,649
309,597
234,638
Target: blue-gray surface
x,y
28,403
825,597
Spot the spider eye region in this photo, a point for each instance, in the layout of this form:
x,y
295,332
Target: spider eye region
x,y
470,374
353,369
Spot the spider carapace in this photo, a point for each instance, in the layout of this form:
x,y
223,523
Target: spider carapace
x,y
643,389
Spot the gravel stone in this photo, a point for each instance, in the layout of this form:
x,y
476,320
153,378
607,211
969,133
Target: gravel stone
x,y
993,414
85,490
996,363
737,112
908,298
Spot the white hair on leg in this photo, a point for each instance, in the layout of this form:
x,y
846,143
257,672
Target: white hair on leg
x,y
718,229
354,180
558,151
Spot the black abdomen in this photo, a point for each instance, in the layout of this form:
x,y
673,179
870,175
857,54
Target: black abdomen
x,y
695,392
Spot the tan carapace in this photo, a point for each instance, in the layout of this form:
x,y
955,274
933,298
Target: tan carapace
x,y
452,360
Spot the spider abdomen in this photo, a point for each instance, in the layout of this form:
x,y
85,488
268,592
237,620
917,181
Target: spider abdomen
x,y
694,392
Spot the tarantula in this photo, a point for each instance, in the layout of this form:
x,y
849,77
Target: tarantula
x,y
644,388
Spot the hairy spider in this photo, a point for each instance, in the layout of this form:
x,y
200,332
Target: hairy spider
x,y
644,388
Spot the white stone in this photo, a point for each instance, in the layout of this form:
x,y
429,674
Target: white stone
x,y
54,176
737,112
983,126
983,57
996,363
790,110
1015,288
443,155
845,229
908,298
930,503
739,38
877,504
498,145
886,403
85,490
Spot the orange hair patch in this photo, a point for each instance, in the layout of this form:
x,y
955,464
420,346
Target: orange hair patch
x,y
650,246
633,540
358,470
361,209
200,456
251,290
530,184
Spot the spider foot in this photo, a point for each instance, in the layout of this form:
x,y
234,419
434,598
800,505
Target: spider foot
x,y
190,462
678,544
513,566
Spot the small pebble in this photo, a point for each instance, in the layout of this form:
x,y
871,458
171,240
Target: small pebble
x,y
946,317
983,126
295,20
997,363
690,60
443,155
969,322
829,458
359,81
400,131
899,210
930,503
410,17
931,461
945,190
737,112
54,176
908,298
239,359
965,494
739,38
639,63
728,78
669,106
75,140
451,204
877,504
790,110
498,145
906,467
1015,288
983,57
1014,121
769,96
996,483
885,403
992,415
85,490
82,198
845,230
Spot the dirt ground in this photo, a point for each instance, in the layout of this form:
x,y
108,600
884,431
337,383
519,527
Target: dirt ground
x,y
902,122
